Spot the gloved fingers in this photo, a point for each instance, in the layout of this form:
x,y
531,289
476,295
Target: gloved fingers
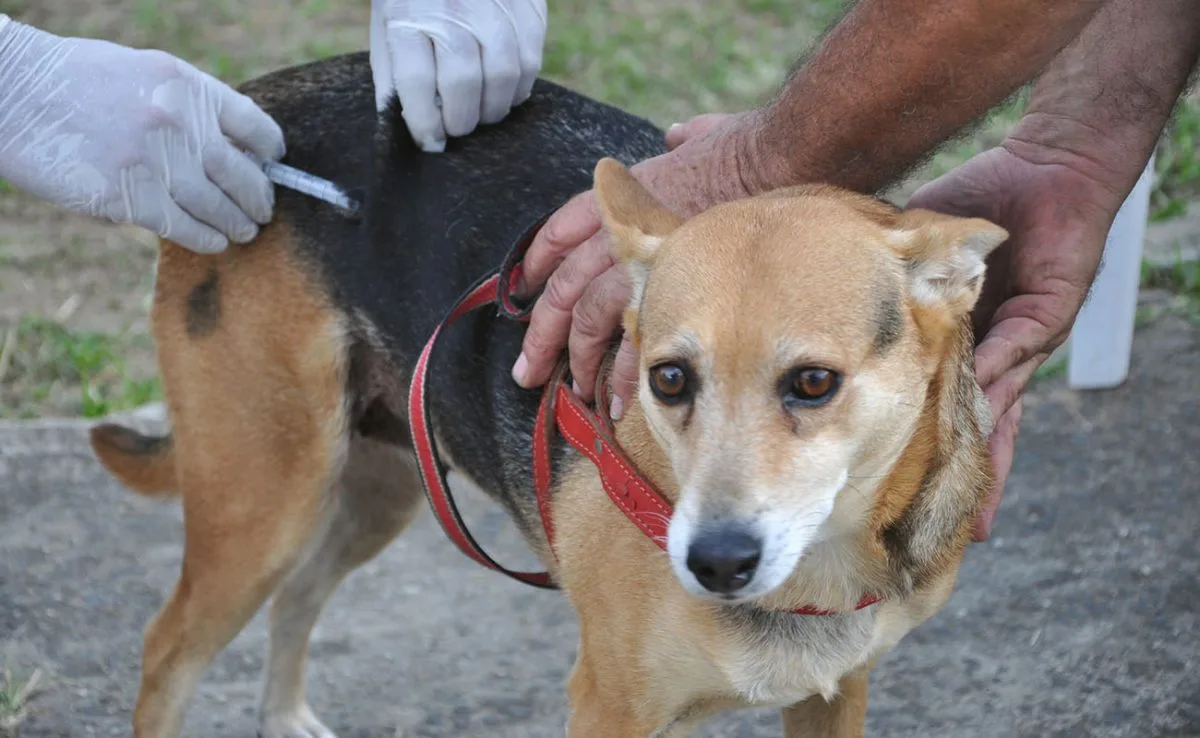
x,y
243,121
501,63
415,79
501,60
529,18
161,214
459,80
381,59
190,188
241,179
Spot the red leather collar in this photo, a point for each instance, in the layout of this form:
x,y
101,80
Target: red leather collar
x,y
560,409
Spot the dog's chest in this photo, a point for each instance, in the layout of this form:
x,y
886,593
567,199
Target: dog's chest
x,y
782,659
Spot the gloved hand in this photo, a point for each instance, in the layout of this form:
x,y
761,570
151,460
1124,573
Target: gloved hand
x,y
480,56
134,136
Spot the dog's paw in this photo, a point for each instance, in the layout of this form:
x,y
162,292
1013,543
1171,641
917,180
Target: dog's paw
x,y
299,724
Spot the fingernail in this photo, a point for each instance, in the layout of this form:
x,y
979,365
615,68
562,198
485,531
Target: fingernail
x,y
575,388
520,369
674,127
615,409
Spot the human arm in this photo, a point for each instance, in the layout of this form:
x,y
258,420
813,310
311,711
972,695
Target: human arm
x,y
1056,183
454,64
134,136
890,82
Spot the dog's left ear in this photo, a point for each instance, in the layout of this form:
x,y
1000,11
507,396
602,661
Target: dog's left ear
x,y
637,221
945,256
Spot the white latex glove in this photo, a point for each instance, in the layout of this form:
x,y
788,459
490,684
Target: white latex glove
x,y
480,56
134,136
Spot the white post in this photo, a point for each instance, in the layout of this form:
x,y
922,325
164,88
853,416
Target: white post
x,y
1101,340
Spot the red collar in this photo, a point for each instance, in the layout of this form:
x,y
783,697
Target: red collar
x,y
560,409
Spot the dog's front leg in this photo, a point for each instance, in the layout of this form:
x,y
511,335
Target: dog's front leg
x,y
844,717
602,703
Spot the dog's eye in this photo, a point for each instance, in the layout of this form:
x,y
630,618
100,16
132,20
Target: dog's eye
x,y
669,382
810,386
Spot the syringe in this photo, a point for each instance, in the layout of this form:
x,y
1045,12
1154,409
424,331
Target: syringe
x,y
309,184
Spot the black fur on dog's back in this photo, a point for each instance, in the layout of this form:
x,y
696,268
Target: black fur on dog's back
x,y
431,225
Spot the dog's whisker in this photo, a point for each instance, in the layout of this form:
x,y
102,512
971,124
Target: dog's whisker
x,y
660,517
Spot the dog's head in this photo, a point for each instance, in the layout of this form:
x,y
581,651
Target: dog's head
x,y
787,344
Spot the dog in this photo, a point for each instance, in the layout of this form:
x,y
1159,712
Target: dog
x,y
806,413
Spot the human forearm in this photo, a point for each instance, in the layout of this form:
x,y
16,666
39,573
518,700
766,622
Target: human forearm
x,y
896,78
1101,105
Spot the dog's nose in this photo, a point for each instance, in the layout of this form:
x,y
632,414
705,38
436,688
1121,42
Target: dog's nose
x,y
724,560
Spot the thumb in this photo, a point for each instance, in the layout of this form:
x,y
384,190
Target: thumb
x,y
1001,446
680,133
624,377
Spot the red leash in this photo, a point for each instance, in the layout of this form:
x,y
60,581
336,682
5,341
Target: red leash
x,y
559,409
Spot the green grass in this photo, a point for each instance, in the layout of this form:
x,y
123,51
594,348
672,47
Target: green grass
x,y
1177,166
1052,368
15,698
668,60
1183,279
42,360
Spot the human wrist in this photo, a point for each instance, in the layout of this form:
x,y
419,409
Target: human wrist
x,y
745,162
764,158
1101,165
1101,105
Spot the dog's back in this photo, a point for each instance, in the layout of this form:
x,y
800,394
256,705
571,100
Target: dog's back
x,y
428,227
431,223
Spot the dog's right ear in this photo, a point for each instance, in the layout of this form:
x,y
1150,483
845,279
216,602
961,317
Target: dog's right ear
x,y
637,221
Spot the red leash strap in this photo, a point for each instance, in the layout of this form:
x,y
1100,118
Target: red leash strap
x,y
437,489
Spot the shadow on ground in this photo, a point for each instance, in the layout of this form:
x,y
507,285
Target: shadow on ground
x,y
1078,619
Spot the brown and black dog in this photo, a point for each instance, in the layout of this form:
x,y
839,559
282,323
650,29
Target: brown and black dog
x,y
806,402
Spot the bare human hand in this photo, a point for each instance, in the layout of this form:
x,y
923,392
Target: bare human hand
x,y
586,293
1058,217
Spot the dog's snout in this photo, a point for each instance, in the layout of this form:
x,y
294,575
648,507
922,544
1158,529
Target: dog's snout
x,y
724,561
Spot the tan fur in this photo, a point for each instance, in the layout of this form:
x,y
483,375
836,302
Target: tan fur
x,y
748,290
259,439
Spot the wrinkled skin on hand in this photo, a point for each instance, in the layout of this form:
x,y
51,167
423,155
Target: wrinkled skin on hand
x,y
585,291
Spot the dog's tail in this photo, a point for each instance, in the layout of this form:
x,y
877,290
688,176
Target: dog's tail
x,y
143,463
